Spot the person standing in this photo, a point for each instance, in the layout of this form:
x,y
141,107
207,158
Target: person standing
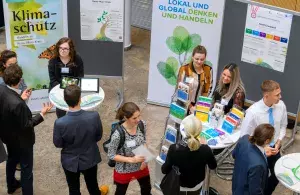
x,y
270,109
129,166
17,131
251,171
77,133
197,75
65,62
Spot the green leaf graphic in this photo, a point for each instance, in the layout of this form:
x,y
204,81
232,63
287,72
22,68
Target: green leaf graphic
x,y
168,70
180,33
195,41
175,45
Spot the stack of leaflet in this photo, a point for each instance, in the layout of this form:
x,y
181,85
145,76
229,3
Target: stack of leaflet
x,y
232,120
170,138
202,108
177,112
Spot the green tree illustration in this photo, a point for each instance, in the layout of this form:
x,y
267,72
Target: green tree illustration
x,y
182,44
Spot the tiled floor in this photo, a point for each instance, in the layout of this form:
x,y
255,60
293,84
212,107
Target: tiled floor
x,y
49,178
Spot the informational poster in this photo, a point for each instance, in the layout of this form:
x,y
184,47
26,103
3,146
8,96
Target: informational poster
x,y
266,37
177,28
102,20
32,29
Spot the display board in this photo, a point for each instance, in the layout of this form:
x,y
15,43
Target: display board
x,y
102,56
253,76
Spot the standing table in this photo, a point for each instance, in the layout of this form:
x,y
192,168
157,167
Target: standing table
x,y
88,100
287,171
234,137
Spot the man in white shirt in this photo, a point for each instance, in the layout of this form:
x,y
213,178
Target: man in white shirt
x,y
270,109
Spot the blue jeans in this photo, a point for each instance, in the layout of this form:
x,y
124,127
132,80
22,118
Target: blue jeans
x,y
24,156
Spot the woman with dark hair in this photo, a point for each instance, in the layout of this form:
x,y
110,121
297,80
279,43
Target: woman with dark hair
x,y
65,62
251,171
7,58
129,166
197,75
230,88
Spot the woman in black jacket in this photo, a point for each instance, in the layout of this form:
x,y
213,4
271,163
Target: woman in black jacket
x,y
65,62
191,157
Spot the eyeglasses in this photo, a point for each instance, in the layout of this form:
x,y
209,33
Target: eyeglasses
x,y
64,49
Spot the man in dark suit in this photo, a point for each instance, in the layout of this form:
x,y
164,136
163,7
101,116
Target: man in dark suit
x,y
77,133
17,131
251,171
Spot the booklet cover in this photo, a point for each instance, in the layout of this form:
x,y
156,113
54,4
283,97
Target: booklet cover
x,y
177,112
171,134
163,153
183,92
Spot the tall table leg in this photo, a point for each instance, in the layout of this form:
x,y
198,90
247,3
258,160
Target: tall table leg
x,y
206,190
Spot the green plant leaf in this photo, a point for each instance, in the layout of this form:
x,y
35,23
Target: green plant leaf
x,y
168,70
173,63
172,81
175,45
165,70
208,63
195,40
180,33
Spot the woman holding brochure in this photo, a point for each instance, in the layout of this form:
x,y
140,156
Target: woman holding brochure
x,y
197,75
190,155
65,62
230,89
128,165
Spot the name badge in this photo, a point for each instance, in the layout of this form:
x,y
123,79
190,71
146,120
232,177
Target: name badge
x,y
224,102
130,143
65,70
189,79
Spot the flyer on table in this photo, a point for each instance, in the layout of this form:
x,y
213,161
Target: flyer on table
x,y
266,37
102,20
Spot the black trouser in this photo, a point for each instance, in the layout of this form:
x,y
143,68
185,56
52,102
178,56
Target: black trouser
x,y
272,180
90,177
24,156
144,184
60,113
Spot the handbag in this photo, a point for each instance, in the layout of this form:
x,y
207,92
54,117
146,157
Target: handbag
x,y
170,184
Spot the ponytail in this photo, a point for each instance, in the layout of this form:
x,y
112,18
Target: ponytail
x,y
193,143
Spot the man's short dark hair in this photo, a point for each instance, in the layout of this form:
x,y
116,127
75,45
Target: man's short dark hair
x,y
72,94
12,75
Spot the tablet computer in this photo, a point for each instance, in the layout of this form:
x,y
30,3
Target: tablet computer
x,y
89,85
66,81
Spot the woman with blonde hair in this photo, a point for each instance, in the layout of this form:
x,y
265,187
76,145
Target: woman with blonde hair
x,y
230,89
190,155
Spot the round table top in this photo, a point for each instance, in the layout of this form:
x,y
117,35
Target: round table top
x,y
286,168
88,100
223,142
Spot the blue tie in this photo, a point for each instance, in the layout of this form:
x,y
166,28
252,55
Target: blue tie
x,y
271,121
271,118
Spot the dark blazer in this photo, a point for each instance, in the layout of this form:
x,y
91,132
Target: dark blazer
x,y
77,133
191,164
250,172
17,123
54,69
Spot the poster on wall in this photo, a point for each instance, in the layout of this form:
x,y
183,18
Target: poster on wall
x,y
32,29
266,37
177,28
102,20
